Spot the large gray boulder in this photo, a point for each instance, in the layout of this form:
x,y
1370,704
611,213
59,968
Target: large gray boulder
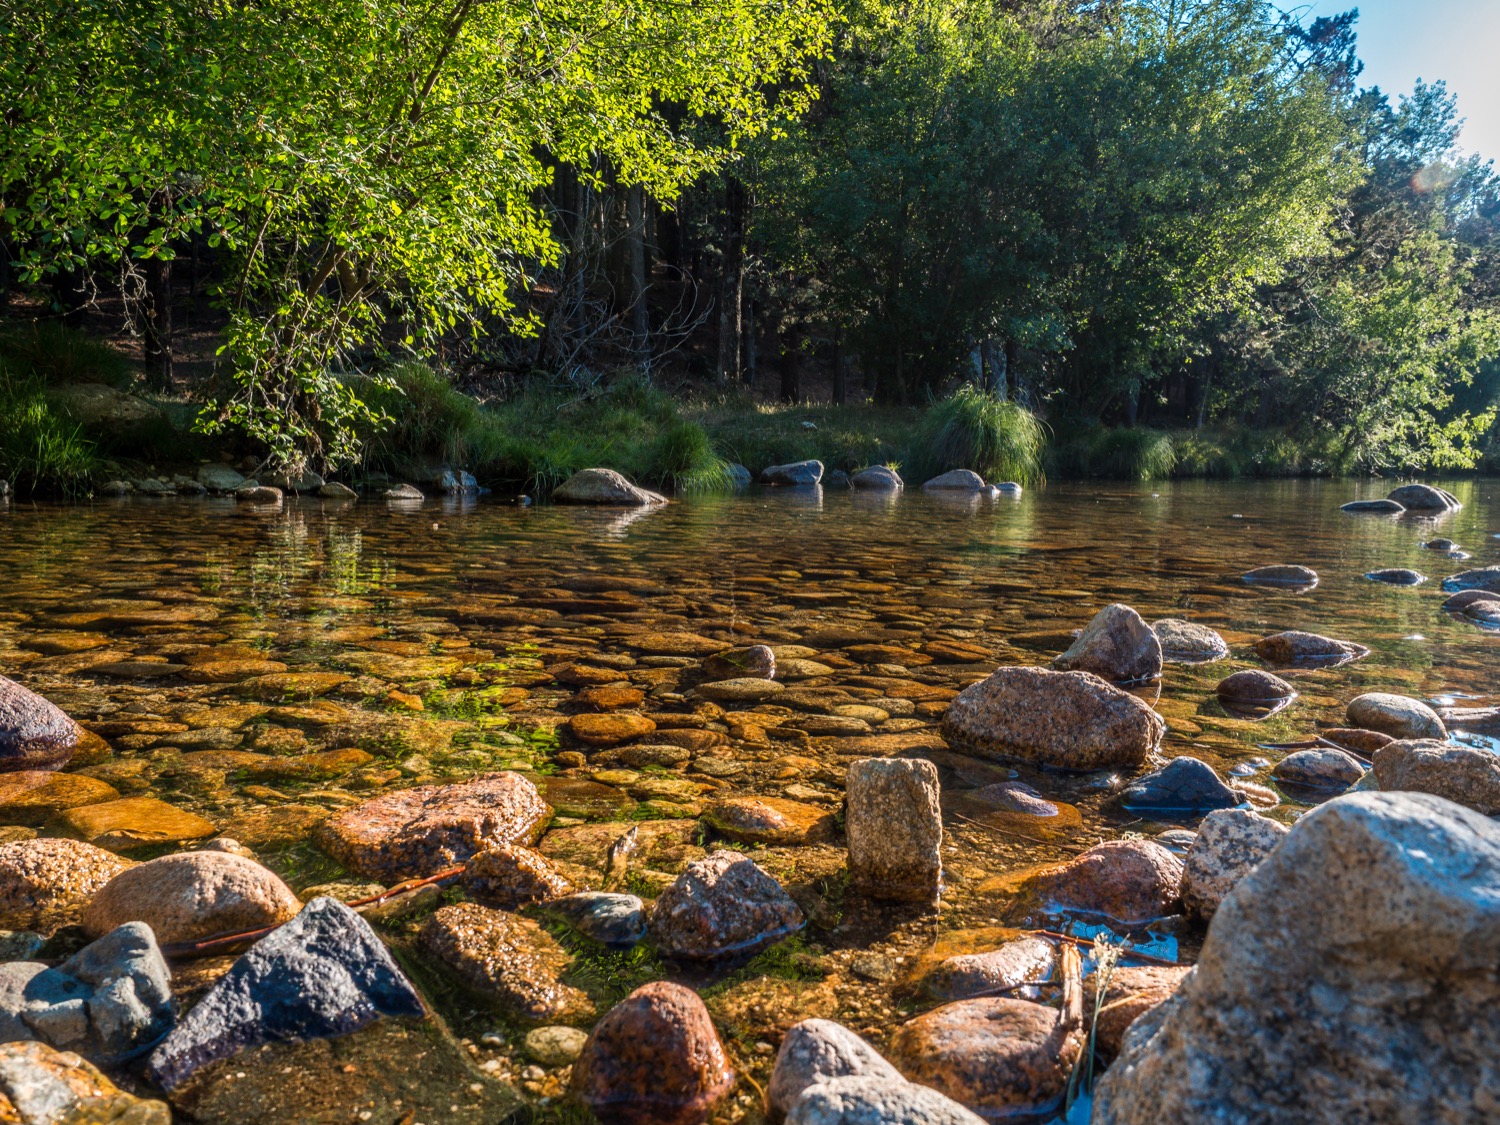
x,y
816,1051
793,474
606,488
1116,645
1399,716
877,478
957,480
1230,844
1424,498
863,1099
1349,978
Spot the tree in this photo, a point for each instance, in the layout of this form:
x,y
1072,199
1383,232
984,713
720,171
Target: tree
x,y
369,170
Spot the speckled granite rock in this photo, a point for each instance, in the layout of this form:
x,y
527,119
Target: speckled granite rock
x,y
510,876
1255,688
815,1051
1399,716
894,823
604,487
1123,880
654,1059
417,832
325,973
193,895
1132,992
1320,768
1351,977
507,958
870,1100
46,883
34,735
1231,843
721,906
968,975
1187,642
610,919
43,1086
1067,720
1465,774
1293,646
1115,645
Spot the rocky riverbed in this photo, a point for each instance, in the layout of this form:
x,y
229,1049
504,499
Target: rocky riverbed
x,y
792,806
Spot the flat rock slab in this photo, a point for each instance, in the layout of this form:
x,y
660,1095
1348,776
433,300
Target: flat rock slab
x,y
418,832
508,959
323,974
130,824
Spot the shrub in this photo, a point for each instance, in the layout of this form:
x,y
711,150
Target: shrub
x,y
41,450
972,429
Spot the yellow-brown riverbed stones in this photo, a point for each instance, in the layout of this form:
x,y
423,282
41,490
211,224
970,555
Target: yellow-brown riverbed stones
x,y
507,958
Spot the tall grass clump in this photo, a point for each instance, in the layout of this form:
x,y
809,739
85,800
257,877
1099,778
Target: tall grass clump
x,y
41,450
1126,454
972,429
426,416
58,354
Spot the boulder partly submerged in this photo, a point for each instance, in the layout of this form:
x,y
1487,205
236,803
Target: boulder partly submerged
x,y
1282,574
794,474
34,734
1424,498
957,480
606,488
1065,720
1480,578
1116,645
1349,977
1187,642
1374,507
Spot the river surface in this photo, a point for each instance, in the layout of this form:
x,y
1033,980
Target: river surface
x,y
464,606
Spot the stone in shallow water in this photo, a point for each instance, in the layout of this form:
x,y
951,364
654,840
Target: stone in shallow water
x,y
1129,881
1399,716
191,896
604,487
1299,577
722,906
1116,645
957,480
1186,642
417,832
770,820
34,735
44,884
110,1000
873,1100
325,973
556,1045
1254,694
877,478
752,662
31,796
1067,720
43,1086
894,824
654,1059
1424,498
1465,774
609,730
1382,507
744,690
793,474
507,958
1350,977
968,975
509,876
130,824
610,919
1183,785
1397,576
1320,768
1230,844
1293,646
816,1051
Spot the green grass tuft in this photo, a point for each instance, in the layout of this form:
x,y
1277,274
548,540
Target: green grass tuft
x,y
41,450
58,354
972,429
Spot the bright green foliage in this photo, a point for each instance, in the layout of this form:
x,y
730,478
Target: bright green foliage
x,y
370,168
973,430
40,446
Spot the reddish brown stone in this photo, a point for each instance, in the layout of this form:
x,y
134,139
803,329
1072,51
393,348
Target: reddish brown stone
x,y
1124,880
509,876
507,958
609,730
770,820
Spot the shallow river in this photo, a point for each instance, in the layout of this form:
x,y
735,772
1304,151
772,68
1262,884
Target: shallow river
x,y
151,623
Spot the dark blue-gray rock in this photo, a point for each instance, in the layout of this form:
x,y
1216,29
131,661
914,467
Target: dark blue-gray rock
x,y
793,474
1379,507
1397,576
739,476
878,478
110,1000
864,1099
837,480
815,1051
1480,578
610,919
34,735
323,974
1424,498
1183,786
722,906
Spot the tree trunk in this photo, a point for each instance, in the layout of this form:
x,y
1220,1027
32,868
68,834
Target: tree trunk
x,y
732,283
1208,382
791,364
752,354
156,334
1012,373
640,321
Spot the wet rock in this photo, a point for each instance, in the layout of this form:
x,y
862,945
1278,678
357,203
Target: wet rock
x,y
874,1100
323,974
654,1059
556,1045
192,896
1320,768
1424,498
507,958
1466,775
1348,978
744,690
333,490
997,1056
1356,741
721,906
1130,881
418,832
45,884
957,480
739,476
1465,598
32,796
1396,715
609,730
1066,720
34,735
1486,578
610,919
755,662
1282,575
1184,786
971,975
796,473
1231,843
877,478
604,487
1294,646
894,824
1253,688
252,493
1116,645
43,1086
1132,992
1185,642
815,1051
405,493
509,876
130,824
1397,576
110,1001
770,820
1380,507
